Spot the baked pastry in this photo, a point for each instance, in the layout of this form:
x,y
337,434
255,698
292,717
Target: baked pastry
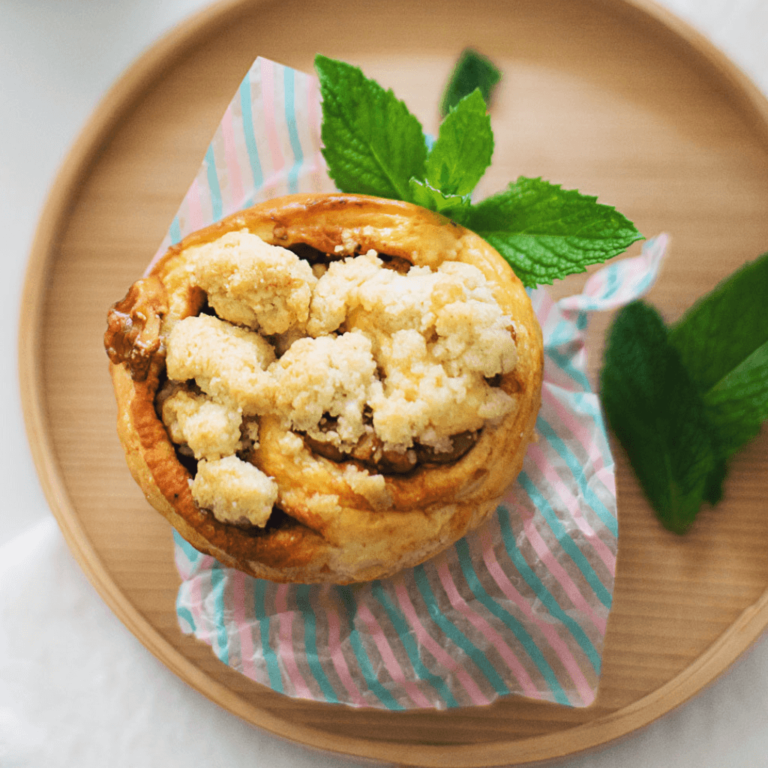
x,y
326,388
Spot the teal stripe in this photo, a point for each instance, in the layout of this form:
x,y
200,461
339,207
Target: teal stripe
x,y
455,635
249,132
566,542
528,643
645,283
541,592
192,555
612,284
175,231
406,635
565,453
589,403
213,184
565,361
218,584
260,609
364,663
562,333
185,615
310,643
289,86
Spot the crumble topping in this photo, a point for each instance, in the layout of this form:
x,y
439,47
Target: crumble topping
x,y
252,283
322,377
235,491
210,429
363,359
227,362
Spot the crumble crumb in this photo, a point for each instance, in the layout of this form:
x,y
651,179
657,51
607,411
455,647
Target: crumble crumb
x,y
235,491
211,430
252,283
326,376
226,362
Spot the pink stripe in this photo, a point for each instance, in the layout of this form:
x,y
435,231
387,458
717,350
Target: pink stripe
x,y
196,599
195,219
441,655
285,642
596,284
607,477
573,506
491,635
337,656
268,93
545,307
313,105
558,645
232,164
314,118
557,570
388,657
580,431
243,627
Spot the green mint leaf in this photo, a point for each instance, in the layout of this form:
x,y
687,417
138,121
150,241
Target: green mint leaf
x,y
453,206
737,405
546,232
372,144
656,412
472,70
723,342
464,147
727,325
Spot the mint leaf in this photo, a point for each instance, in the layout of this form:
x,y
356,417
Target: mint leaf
x,y
453,206
723,342
726,326
737,405
655,410
464,147
472,70
546,232
372,144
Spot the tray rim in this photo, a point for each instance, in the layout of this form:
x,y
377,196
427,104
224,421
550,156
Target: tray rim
x,y
118,100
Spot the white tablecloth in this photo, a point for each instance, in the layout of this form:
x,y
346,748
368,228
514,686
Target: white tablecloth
x,y
76,688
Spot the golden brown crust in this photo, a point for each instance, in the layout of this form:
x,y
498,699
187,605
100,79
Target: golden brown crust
x,y
332,527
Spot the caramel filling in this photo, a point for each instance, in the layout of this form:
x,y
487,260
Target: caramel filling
x,y
371,452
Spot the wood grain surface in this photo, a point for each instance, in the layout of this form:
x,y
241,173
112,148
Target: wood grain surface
x,y
614,98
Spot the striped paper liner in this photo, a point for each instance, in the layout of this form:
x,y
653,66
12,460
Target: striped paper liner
x,y
521,605
267,145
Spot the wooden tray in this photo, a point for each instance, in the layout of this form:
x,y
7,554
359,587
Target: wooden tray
x,y
616,98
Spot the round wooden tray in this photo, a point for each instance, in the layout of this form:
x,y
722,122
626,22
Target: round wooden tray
x,y
615,98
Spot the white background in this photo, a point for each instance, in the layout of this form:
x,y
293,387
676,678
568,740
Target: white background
x,y
89,694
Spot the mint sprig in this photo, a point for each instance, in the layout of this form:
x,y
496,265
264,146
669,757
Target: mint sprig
x,y
374,145
547,233
683,400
